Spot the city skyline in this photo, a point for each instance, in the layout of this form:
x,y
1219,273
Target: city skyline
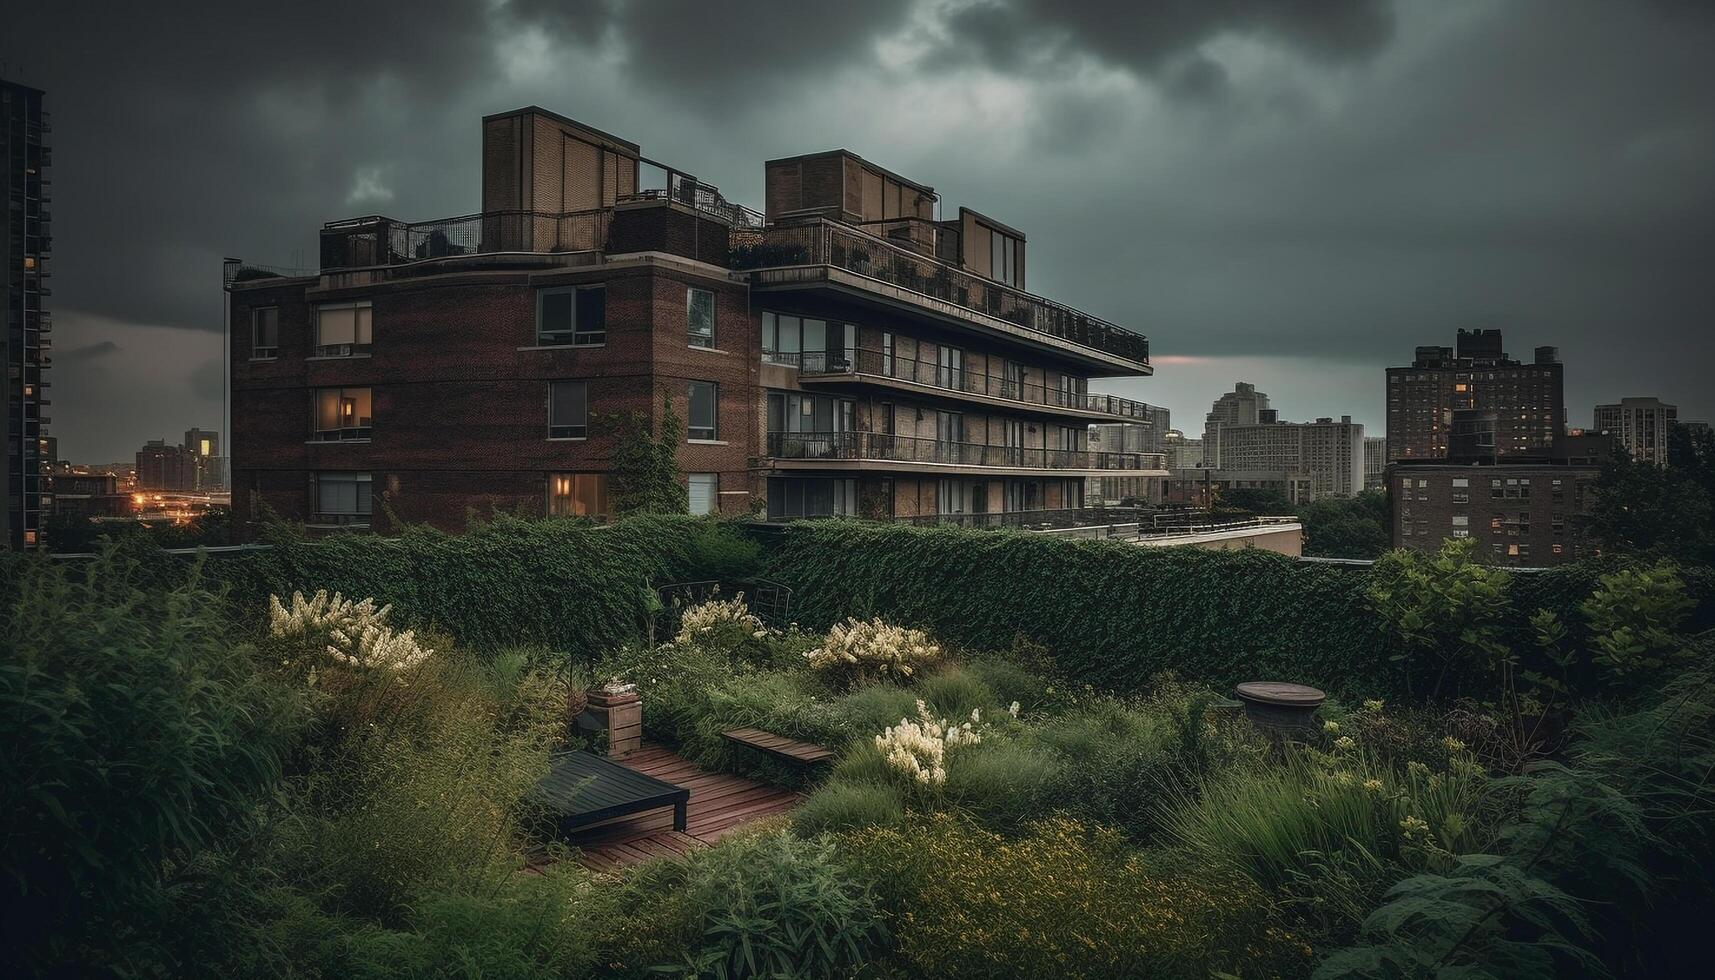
x,y
1293,199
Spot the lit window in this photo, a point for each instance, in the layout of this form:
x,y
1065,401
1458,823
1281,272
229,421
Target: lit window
x,y
343,329
341,414
700,316
577,494
568,409
571,315
264,333
705,396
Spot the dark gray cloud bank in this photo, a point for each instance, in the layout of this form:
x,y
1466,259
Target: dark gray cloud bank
x,y
1295,192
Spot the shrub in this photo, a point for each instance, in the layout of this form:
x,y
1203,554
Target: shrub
x,y
858,652
1062,899
918,749
722,615
956,692
135,730
763,905
1634,619
1268,821
847,806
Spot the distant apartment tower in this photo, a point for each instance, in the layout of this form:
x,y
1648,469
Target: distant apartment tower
x,y
24,253
1640,426
203,446
163,466
1528,400
1375,462
1244,405
848,352
1181,453
1329,454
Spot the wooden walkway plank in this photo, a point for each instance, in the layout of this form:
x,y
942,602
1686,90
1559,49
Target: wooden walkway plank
x,y
720,804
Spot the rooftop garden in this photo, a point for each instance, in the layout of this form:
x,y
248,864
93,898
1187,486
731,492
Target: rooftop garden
x,y
226,768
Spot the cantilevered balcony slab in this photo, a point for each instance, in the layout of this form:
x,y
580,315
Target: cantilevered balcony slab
x,y
882,453
819,254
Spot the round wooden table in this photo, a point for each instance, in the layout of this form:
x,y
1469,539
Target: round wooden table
x,y
1279,706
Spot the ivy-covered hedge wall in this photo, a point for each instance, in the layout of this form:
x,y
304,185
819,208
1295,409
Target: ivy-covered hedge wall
x,y
1113,614
574,586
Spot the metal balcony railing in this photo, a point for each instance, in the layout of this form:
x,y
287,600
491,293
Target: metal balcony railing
x,y
883,447
821,242
957,378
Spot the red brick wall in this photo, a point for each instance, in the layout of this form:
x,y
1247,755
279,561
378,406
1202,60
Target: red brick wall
x,y
460,410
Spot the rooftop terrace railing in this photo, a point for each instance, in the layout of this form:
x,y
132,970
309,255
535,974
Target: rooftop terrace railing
x,y
883,447
821,242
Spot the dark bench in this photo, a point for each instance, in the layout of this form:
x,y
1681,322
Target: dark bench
x,y
792,750
583,789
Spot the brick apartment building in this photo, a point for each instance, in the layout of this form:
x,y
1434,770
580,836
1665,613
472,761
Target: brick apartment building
x,y
1528,401
848,352
1524,510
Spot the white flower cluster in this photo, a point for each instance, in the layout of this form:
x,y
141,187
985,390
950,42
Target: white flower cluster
x,y
874,649
702,618
919,748
357,632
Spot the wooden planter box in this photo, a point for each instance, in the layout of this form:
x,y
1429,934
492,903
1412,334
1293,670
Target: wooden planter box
x,y
621,714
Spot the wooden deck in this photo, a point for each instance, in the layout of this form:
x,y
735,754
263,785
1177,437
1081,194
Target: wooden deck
x,y
720,803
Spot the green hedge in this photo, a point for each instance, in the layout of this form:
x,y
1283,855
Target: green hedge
x,y
1114,613
571,585
567,584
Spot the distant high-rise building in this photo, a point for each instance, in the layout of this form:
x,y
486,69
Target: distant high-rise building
x,y
165,467
1640,426
1698,429
204,448
1375,462
1329,453
24,250
1244,405
1181,453
1527,400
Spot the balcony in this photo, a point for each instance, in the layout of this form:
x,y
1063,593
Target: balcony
x,y
908,452
892,371
375,240
819,251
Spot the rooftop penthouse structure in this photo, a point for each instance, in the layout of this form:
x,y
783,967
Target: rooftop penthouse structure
x,y
849,351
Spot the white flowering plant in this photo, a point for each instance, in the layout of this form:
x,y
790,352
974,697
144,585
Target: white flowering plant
x,y
702,621
329,628
859,651
918,749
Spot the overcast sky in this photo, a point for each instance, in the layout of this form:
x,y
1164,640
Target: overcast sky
x,y
1289,192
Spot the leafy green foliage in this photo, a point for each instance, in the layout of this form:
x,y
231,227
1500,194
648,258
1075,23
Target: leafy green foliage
x,y
643,471
1447,607
563,583
133,730
764,905
1634,618
1641,508
1346,527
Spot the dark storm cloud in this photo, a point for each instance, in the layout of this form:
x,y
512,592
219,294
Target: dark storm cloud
x,y
1021,34
1249,181
86,353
